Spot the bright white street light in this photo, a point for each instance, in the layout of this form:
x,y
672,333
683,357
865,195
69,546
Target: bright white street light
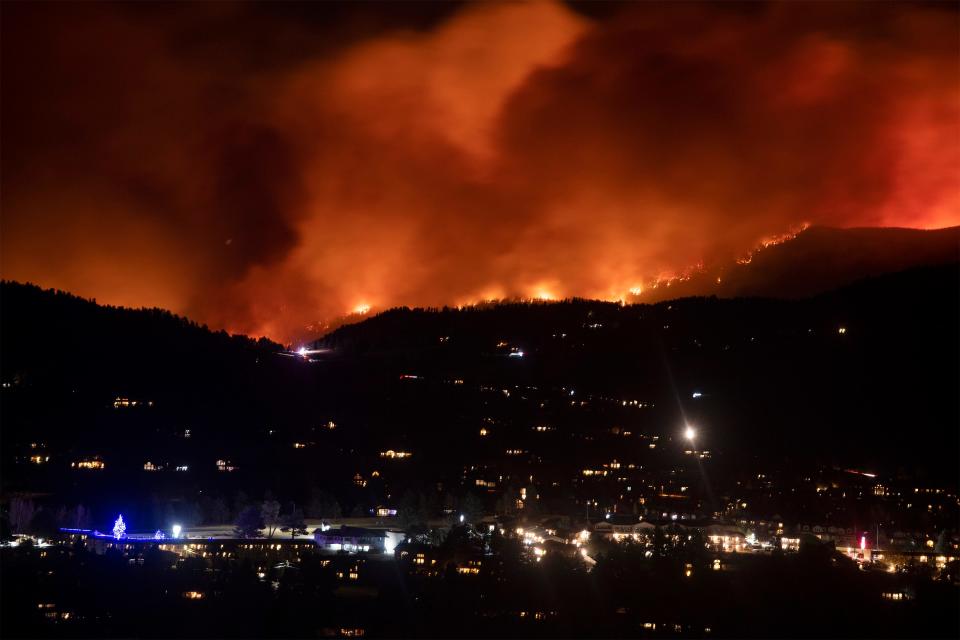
x,y
176,529
689,433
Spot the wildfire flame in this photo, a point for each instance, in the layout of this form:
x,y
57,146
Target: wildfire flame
x,y
452,154
772,241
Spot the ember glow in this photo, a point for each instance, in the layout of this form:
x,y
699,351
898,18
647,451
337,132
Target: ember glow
x,y
269,169
772,241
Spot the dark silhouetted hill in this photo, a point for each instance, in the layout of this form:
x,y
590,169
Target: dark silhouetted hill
x,y
819,259
56,336
868,372
863,375
65,360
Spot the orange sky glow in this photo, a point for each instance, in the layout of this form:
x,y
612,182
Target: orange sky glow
x,y
270,173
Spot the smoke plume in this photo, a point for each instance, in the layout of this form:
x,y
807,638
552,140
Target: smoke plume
x,y
270,168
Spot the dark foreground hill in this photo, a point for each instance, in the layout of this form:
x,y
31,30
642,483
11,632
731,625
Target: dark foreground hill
x,y
864,376
868,372
66,360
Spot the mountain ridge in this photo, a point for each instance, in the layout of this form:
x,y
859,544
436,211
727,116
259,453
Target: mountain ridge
x,y
817,259
776,377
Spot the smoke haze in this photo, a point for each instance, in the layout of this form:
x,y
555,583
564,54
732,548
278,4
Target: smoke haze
x,y
269,168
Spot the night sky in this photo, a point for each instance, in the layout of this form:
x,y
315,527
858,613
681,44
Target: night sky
x,y
268,167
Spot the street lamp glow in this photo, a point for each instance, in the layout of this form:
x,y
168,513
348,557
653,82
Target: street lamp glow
x,y
176,529
689,433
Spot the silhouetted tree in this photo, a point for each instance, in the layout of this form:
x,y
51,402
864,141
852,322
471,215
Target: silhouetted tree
x,y
942,545
219,512
5,532
409,512
429,505
249,523
21,513
191,514
359,511
270,512
462,543
293,522
81,517
471,508
507,551
240,502
323,505
44,523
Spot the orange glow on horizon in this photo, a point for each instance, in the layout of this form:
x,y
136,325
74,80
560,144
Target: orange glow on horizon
x,y
497,151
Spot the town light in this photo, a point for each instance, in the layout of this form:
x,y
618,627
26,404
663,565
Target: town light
x,y
176,529
119,528
689,433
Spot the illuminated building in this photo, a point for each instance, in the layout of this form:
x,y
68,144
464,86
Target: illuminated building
x,y
790,544
595,472
390,453
619,528
126,403
352,539
471,567
89,463
135,545
725,537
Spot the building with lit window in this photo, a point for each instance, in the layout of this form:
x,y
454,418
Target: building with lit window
x,y
619,527
351,539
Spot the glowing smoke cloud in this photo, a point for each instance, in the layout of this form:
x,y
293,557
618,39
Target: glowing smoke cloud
x,y
424,155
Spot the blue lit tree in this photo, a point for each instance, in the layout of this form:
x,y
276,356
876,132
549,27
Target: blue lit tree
x,y
119,528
